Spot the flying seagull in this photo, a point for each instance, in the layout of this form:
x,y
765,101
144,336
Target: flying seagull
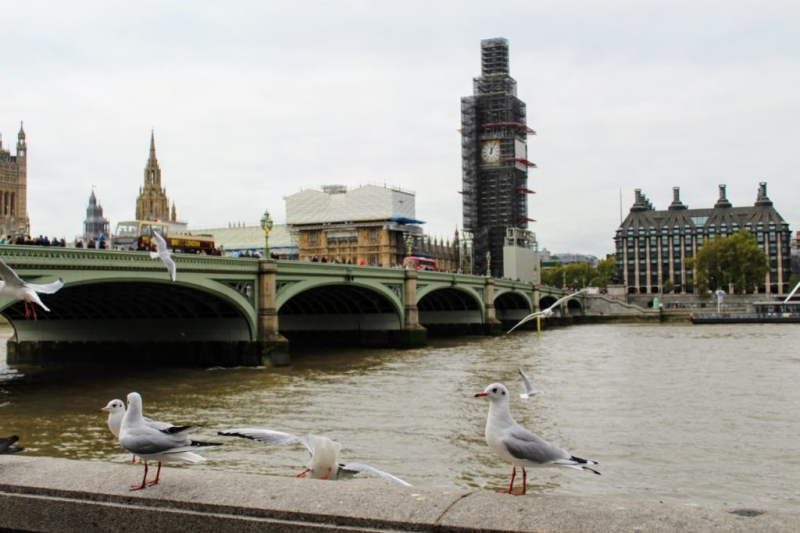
x,y
169,445
545,312
163,253
324,454
7,445
13,287
530,390
515,444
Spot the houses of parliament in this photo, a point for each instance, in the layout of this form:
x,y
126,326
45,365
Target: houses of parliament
x,y
14,188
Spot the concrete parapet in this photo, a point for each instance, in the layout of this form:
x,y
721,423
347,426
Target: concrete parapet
x,y
59,495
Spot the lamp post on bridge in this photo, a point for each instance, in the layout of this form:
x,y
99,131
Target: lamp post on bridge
x,y
266,225
409,247
488,264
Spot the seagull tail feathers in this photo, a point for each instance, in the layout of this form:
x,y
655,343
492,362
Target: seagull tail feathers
x,y
583,464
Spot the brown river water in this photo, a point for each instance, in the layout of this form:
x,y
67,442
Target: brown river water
x,y
680,413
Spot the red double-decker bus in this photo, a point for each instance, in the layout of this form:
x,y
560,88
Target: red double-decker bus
x,y
418,262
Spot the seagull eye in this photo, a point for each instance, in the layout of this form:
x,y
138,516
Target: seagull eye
x,y
494,389
503,393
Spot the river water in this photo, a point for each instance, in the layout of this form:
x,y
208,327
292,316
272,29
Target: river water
x,y
680,413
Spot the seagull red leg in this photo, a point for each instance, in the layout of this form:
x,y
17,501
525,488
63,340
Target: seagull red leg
x,y
524,481
158,476
303,473
144,480
328,475
510,488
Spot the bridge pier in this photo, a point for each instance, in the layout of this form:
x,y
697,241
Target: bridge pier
x,y
491,325
271,345
413,333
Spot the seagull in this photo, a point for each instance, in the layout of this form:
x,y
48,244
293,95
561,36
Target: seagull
x,y
7,447
324,454
530,390
13,287
517,445
546,313
116,411
163,254
168,445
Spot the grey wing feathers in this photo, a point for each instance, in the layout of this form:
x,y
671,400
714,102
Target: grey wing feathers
x,y
358,467
523,444
267,436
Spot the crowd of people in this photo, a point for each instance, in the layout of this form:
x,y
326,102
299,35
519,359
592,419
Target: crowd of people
x,y
33,241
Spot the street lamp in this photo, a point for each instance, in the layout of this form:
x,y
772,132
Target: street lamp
x,y
488,264
409,244
266,225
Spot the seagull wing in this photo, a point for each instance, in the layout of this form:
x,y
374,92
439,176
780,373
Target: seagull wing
x,y
161,244
529,388
567,297
163,254
267,436
526,319
9,276
48,288
355,468
545,312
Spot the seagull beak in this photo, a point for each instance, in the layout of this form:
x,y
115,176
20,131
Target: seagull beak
x,y
480,394
104,409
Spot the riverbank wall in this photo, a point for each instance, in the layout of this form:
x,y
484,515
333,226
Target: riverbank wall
x,y
59,495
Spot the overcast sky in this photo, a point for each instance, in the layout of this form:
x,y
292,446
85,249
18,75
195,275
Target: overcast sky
x,y
252,101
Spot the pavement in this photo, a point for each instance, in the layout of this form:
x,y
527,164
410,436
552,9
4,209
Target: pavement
x,y
60,495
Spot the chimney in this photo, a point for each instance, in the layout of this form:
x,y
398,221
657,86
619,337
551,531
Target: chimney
x,y
722,202
676,204
762,198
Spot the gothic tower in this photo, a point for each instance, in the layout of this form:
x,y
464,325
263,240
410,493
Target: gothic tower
x,y
494,150
14,188
95,223
152,203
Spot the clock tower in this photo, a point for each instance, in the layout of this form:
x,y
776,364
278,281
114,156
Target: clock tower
x,y
494,148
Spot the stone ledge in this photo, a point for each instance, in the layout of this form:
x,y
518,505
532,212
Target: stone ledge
x,y
59,495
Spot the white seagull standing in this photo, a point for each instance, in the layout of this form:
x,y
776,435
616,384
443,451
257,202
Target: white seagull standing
x,y
515,444
7,445
324,454
163,253
14,287
530,390
546,313
116,411
169,445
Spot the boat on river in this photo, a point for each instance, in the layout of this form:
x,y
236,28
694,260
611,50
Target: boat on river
x,y
781,312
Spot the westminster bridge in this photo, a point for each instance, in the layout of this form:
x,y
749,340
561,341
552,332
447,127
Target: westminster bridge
x,y
236,311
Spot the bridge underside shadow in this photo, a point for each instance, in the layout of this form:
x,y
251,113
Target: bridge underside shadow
x,y
451,312
341,314
158,323
510,308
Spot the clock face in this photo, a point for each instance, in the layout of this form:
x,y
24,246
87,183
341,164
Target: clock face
x,y
490,151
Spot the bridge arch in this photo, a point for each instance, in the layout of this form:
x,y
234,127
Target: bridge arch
x,y
342,306
117,307
512,306
443,304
